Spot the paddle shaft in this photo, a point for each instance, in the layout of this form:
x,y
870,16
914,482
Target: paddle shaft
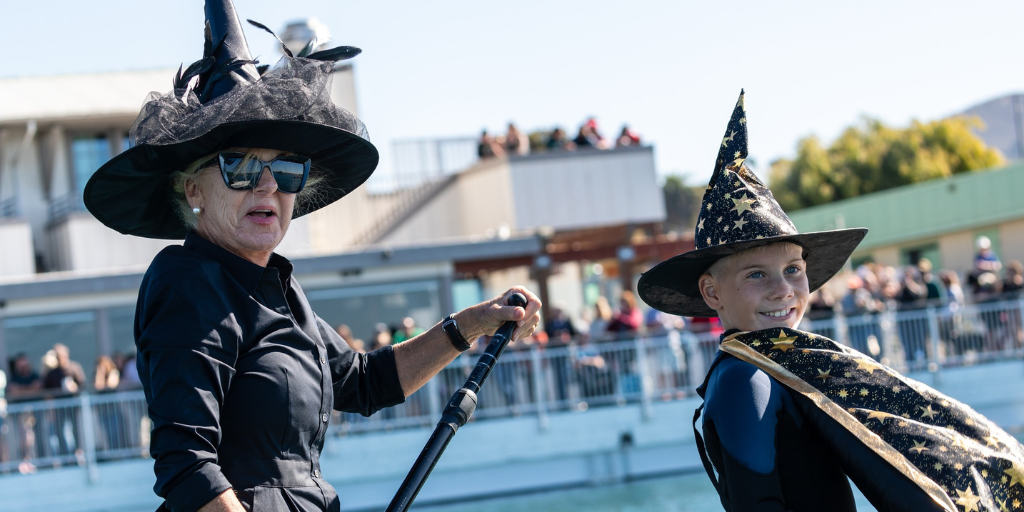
x,y
458,411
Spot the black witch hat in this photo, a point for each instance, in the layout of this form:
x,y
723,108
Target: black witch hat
x,y
227,100
739,212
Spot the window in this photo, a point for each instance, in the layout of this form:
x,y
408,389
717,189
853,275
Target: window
x,y
87,155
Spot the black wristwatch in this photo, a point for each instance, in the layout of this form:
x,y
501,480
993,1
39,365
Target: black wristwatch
x,y
452,330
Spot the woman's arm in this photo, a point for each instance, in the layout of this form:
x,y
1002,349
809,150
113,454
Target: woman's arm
x,y
420,358
224,502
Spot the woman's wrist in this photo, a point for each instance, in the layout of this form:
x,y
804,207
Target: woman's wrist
x,y
468,325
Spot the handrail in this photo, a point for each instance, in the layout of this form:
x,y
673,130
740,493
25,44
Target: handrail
x,y
536,380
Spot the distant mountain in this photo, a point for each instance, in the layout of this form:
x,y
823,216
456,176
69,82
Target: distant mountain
x,y
1004,124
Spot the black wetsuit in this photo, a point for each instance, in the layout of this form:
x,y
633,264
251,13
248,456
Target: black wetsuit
x,y
768,458
774,450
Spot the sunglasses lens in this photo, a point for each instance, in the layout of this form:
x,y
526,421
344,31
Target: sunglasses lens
x,y
238,173
290,173
243,174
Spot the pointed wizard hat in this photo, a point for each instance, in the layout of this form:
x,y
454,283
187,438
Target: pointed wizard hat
x,y
225,100
737,213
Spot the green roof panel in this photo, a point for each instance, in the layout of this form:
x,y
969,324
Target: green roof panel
x,y
924,210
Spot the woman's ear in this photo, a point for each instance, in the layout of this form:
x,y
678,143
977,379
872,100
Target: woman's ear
x,y
192,193
706,284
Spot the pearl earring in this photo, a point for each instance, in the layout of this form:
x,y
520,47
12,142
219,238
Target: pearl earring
x,y
196,210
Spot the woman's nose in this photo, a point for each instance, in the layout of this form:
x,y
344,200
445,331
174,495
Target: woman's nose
x,y
266,184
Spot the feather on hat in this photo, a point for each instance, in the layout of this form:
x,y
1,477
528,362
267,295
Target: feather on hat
x,y
226,100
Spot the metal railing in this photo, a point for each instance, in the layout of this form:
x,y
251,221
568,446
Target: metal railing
x,y
933,337
74,430
418,162
9,207
576,376
535,381
61,207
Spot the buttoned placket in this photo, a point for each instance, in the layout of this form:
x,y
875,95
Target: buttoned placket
x,y
277,296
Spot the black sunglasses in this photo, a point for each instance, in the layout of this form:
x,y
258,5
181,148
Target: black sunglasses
x,y
290,171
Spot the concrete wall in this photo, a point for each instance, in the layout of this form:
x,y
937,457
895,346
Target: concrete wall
x,y
586,189
476,203
16,258
957,251
82,243
1011,236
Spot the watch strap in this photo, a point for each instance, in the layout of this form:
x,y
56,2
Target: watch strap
x,y
451,328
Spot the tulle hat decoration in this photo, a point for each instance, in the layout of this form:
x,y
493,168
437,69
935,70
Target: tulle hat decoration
x,y
228,100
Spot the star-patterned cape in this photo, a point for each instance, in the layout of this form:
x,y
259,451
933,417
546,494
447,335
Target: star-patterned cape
x,y
960,458
739,212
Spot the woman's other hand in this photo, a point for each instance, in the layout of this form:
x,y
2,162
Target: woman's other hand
x,y
485,318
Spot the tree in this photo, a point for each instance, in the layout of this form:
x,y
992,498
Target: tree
x,y
682,204
872,157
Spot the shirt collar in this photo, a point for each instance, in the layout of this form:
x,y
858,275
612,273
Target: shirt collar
x,y
247,273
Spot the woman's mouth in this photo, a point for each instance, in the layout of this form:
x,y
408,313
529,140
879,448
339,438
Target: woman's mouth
x,y
261,216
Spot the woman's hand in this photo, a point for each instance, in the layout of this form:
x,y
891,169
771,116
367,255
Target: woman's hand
x,y
485,318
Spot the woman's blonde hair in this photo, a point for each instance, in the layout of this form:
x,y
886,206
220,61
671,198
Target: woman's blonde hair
x,y
309,193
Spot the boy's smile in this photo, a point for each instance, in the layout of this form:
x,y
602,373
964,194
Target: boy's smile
x,y
760,288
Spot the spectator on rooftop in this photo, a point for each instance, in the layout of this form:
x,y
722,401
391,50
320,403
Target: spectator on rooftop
x,y
627,138
107,375
985,260
67,375
628,317
488,147
954,293
23,379
407,331
911,292
559,141
821,304
932,293
602,317
516,142
1013,279
589,137
381,336
559,326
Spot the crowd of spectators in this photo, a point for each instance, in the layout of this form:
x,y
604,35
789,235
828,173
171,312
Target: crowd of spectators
x,y
27,436
873,288
516,142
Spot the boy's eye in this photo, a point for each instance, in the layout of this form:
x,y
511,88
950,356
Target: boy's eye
x,y
792,270
757,274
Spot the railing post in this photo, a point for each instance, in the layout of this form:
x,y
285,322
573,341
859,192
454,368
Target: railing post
x,y
646,381
842,329
434,396
537,370
88,437
696,367
1017,348
934,363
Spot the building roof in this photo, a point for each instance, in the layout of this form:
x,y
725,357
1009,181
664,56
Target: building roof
x,y
44,285
924,210
41,98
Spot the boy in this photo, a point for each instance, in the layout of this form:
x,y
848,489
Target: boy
x,y
789,415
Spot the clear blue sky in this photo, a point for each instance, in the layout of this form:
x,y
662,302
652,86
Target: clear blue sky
x,y
672,70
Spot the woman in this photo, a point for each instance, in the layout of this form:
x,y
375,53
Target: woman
x,y
240,375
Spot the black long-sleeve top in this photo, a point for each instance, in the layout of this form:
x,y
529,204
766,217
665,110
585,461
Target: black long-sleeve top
x,y
775,451
241,377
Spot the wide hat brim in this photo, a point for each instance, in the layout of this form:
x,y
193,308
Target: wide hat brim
x,y
131,193
671,286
